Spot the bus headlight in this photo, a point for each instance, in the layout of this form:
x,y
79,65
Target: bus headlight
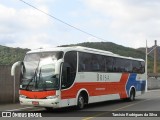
x,y
52,97
23,96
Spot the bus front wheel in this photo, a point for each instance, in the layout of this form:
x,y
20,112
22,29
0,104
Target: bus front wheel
x,y
80,102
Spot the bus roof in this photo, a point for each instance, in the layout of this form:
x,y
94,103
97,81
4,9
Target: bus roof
x,y
82,49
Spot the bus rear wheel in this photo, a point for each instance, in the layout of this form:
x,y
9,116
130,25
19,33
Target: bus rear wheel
x,y
80,102
132,95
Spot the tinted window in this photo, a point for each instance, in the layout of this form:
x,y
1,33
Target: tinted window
x,y
127,65
109,64
84,62
69,69
98,63
91,62
118,65
138,67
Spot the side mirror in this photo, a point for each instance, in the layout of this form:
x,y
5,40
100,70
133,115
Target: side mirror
x,y
58,66
16,64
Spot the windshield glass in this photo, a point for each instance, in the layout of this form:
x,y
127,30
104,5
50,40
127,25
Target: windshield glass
x,y
38,71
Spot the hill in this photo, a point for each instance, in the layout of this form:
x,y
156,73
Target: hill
x,y
152,53
119,49
109,46
10,55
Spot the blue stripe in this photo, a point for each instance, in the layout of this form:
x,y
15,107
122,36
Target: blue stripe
x,y
139,85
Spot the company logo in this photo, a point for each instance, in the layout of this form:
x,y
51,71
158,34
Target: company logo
x,y
20,114
6,114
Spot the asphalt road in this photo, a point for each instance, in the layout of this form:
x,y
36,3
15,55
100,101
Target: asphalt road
x,y
148,102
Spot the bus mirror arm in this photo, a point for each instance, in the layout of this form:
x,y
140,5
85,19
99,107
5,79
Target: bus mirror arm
x,y
16,64
58,66
13,73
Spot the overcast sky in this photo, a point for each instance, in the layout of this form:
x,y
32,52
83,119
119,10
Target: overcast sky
x,y
125,22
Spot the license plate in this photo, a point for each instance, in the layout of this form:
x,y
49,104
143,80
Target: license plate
x,y
35,102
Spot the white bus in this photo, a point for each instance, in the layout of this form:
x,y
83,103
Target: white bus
x,y
75,76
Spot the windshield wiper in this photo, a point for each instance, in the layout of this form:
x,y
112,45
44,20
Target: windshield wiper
x,y
30,80
34,76
41,79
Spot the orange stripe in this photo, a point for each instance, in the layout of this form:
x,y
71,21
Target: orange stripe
x,y
109,88
123,81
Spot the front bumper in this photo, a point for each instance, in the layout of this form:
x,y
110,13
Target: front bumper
x,y
42,102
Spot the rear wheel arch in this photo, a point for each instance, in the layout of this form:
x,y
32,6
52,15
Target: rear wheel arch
x,y
132,93
132,88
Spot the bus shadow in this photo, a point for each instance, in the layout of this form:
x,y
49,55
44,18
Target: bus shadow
x,y
90,107
109,103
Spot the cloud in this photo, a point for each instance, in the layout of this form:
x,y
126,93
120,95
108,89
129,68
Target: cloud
x,y
27,17
5,16
17,25
9,12
32,19
93,39
45,2
33,42
131,22
125,22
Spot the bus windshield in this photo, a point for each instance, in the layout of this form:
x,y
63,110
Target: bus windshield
x,y
38,71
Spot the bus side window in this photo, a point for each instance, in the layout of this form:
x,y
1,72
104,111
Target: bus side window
x,y
127,66
109,64
138,67
89,62
135,65
69,69
84,62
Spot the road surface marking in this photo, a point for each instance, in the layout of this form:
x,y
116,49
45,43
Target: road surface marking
x,y
20,109
88,118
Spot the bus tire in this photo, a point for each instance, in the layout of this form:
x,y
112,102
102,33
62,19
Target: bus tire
x,y
80,102
132,95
